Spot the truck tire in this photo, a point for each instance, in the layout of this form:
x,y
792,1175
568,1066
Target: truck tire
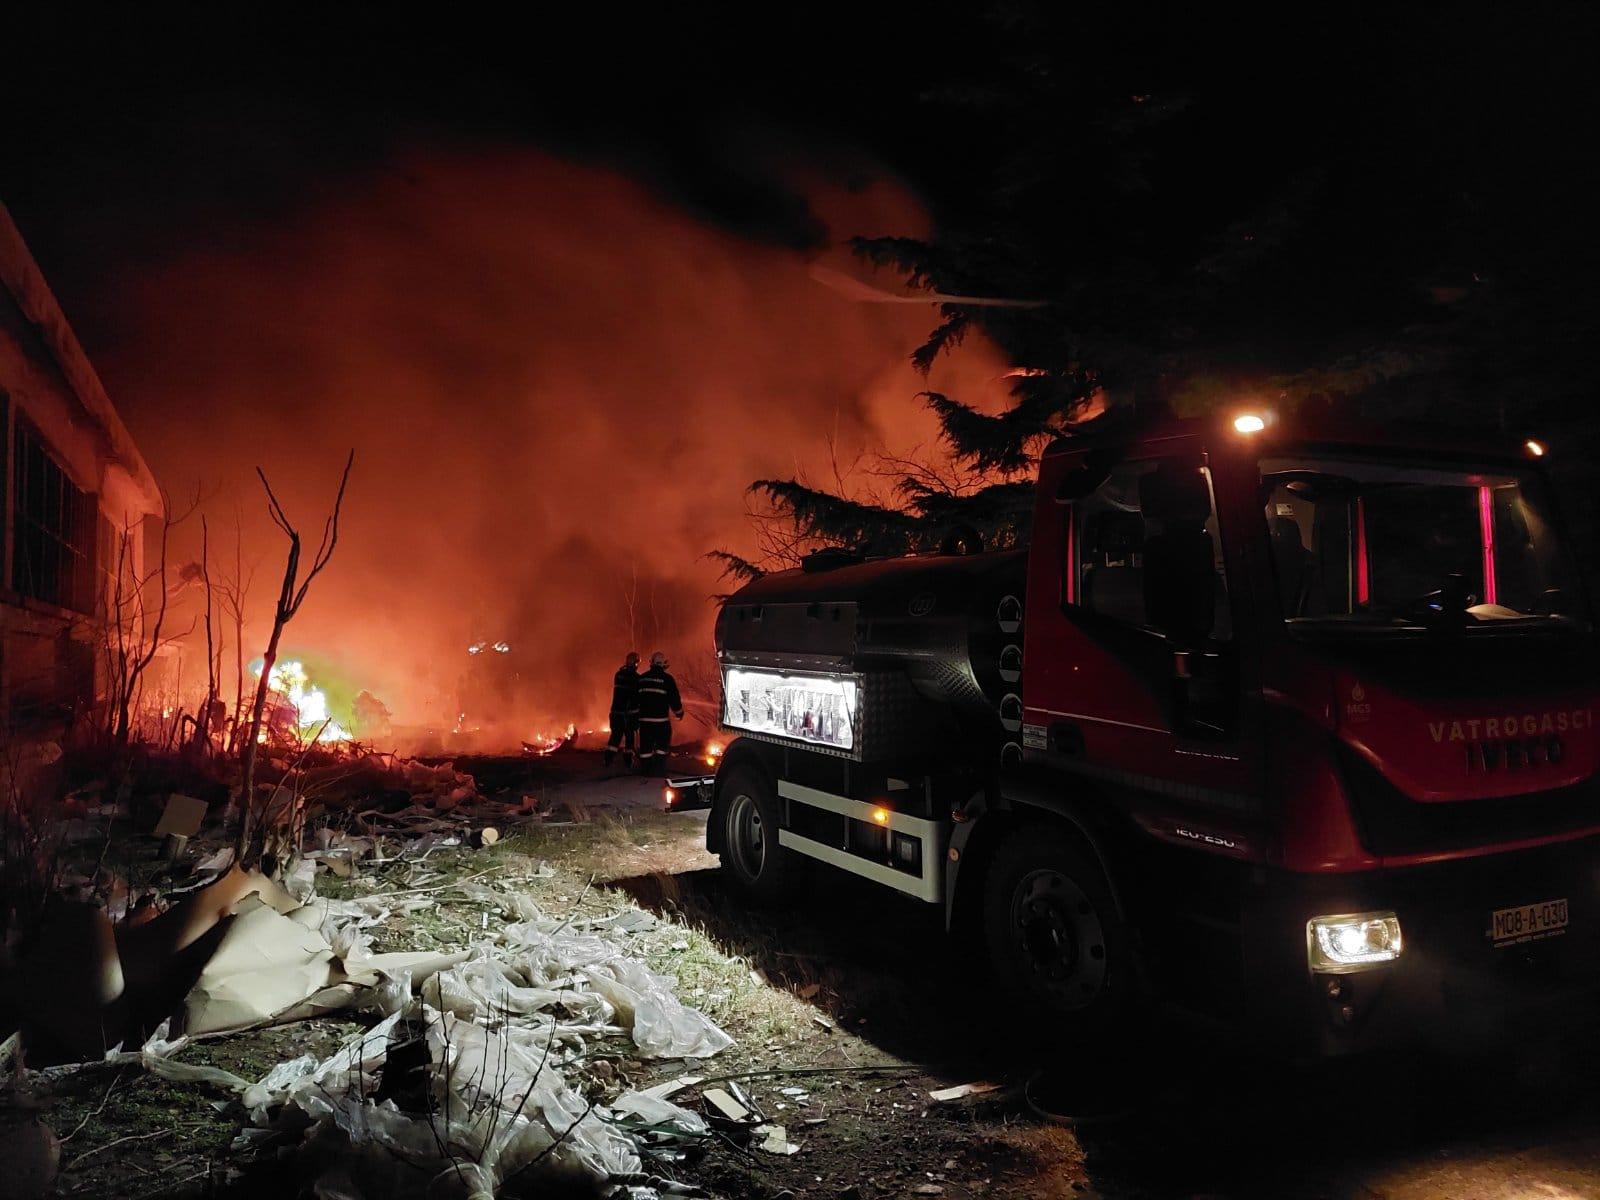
x,y
751,857
1052,927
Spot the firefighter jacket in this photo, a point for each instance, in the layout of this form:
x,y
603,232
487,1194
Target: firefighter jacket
x,y
625,692
658,696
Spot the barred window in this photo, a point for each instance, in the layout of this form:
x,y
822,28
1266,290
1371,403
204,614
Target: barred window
x,y
55,528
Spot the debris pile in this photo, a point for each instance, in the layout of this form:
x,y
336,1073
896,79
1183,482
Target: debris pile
x,y
465,1076
468,1081
348,780
487,1066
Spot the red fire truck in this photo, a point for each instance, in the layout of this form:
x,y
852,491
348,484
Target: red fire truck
x,y
1284,725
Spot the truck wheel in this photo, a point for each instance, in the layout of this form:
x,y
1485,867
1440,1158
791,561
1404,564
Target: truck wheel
x,y
750,853
1052,927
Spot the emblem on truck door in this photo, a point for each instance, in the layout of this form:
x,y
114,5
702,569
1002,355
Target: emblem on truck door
x,y
1357,708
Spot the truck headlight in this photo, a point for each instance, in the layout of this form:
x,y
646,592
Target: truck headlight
x,y
1352,941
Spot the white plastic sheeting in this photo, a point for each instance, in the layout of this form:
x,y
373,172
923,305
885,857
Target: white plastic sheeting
x,y
499,1029
536,965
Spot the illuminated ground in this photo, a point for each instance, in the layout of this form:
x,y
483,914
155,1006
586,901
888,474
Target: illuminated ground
x,y
1524,1126
850,976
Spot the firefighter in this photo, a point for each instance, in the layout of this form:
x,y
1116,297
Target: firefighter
x,y
658,696
624,709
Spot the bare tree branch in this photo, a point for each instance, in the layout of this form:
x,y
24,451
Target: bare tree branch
x,y
291,595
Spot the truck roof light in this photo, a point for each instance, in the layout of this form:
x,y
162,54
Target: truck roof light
x,y
1534,448
880,816
1249,423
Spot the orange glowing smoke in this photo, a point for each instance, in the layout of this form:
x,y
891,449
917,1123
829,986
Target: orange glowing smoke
x,y
558,387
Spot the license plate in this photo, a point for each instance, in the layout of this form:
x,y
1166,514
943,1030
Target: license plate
x,y
1528,922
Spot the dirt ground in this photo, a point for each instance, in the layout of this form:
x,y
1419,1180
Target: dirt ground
x,y
848,1008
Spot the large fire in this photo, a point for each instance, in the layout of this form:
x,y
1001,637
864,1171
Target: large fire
x,y
310,703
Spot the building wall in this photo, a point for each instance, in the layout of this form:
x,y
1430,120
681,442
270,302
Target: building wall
x,y
71,483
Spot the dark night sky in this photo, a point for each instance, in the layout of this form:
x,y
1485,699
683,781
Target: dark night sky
x,y
128,130
138,126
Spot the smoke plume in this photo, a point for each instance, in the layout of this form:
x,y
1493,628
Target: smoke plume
x,y
557,387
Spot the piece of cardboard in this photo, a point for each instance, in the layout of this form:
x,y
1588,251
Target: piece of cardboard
x,y
272,967
264,964
182,816
727,1107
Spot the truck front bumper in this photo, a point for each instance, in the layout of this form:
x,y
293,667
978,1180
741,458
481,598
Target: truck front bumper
x,y
1455,985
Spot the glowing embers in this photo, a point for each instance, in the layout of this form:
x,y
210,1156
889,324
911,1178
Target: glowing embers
x,y
310,704
807,708
541,743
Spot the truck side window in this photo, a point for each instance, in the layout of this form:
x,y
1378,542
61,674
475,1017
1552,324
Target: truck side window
x,y
1148,553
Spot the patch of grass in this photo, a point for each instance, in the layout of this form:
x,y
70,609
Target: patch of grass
x,y
251,1053
725,987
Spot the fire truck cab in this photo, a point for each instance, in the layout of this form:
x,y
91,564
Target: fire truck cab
x,y
1287,726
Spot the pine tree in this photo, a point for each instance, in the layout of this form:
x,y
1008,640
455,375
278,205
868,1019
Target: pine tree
x,y
1393,227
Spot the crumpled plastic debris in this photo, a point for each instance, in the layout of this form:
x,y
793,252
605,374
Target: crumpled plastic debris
x,y
662,1027
216,862
156,1054
537,965
499,1024
657,1110
301,879
499,1028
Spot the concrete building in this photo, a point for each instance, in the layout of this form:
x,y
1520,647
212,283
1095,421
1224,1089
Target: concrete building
x,y
76,494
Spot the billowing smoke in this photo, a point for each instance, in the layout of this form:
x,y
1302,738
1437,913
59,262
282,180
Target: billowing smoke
x,y
557,387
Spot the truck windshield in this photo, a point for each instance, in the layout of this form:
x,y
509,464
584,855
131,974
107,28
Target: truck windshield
x,y
1361,542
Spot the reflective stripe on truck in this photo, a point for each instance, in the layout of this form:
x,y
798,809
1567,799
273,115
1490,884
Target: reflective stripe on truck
x,y
925,882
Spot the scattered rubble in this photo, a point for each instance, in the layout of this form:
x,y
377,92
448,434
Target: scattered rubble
x,y
467,1074
510,1046
464,1075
